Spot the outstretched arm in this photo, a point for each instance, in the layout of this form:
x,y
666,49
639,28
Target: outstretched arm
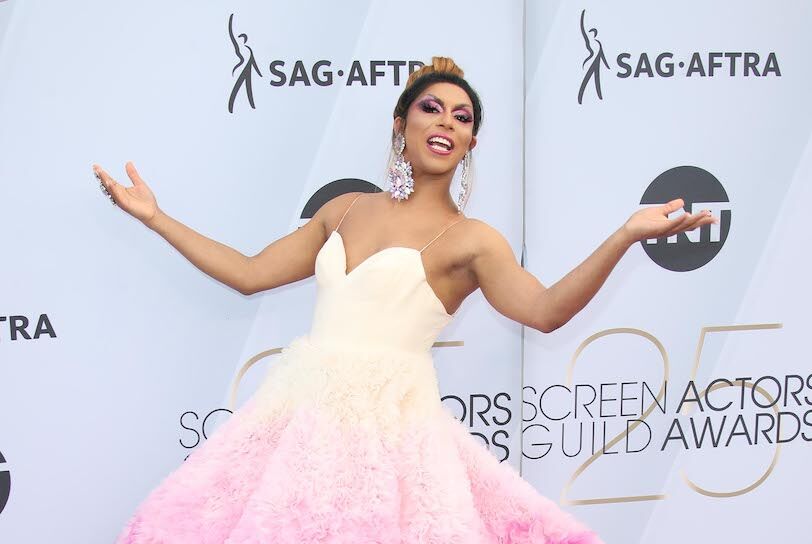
x,y
287,259
517,294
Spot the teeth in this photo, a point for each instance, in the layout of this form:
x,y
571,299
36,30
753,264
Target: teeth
x,y
440,140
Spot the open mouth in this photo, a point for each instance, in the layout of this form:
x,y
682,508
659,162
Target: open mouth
x,y
440,144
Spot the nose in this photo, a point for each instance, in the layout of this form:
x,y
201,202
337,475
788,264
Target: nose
x,y
447,120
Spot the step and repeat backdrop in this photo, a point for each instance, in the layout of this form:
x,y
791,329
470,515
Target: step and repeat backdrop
x,y
675,406
678,405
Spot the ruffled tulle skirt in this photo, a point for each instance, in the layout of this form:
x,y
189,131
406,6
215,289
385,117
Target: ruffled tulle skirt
x,y
342,445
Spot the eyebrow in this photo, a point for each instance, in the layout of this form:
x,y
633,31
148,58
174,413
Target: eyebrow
x,y
463,105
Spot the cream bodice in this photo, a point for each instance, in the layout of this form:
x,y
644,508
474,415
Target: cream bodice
x,y
385,301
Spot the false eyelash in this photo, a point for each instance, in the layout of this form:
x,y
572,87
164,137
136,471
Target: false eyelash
x,y
429,107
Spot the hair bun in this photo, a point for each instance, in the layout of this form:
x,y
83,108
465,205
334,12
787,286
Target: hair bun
x,y
441,69
438,64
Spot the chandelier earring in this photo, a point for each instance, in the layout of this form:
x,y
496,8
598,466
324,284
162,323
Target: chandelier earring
x,y
401,183
465,182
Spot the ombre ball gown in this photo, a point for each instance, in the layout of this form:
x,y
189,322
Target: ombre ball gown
x,y
346,440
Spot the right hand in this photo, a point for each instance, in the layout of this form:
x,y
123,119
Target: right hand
x,y
137,200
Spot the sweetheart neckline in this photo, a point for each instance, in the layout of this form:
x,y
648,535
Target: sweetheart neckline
x,y
380,251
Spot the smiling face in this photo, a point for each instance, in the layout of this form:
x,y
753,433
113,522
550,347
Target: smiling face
x,y
439,129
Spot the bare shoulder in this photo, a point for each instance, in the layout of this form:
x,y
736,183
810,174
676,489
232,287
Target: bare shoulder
x,y
483,239
329,214
491,262
477,245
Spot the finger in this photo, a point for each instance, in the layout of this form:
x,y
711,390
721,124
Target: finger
x,y
672,205
707,220
103,176
702,217
699,220
690,220
677,224
133,173
108,182
680,220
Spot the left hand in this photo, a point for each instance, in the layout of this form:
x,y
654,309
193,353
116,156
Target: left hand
x,y
653,222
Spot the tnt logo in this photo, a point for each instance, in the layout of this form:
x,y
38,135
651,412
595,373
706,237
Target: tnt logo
x,y
701,191
5,483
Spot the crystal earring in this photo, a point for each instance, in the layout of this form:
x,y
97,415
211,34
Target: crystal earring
x,y
465,186
401,183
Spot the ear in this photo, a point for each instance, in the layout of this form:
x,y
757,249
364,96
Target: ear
x,y
473,143
398,125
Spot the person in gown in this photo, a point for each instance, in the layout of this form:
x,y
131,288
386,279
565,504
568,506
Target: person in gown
x,y
346,440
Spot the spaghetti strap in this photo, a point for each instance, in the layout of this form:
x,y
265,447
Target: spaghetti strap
x,y
345,211
441,233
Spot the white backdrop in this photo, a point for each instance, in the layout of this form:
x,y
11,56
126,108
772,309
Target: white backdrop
x,y
146,346
117,355
643,140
